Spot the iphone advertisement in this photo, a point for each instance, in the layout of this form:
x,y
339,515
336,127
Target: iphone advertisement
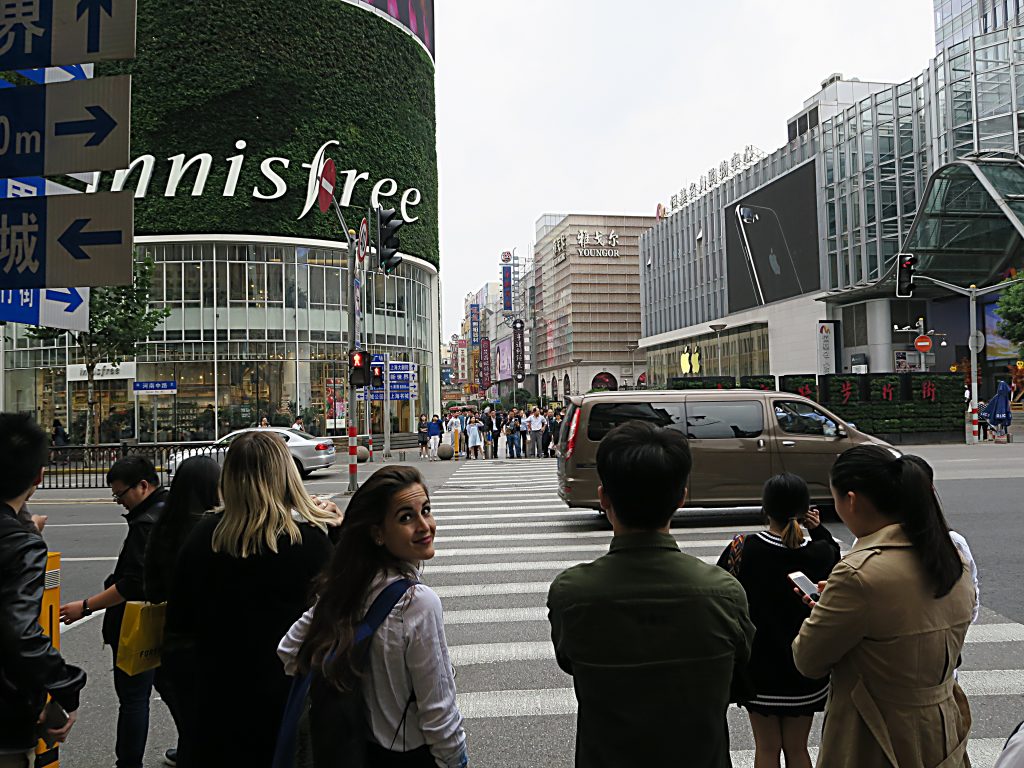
x,y
771,241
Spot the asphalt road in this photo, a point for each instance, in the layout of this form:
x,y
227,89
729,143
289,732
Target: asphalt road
x,y
502,537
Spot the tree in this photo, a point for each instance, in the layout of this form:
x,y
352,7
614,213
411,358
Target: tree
x,y
120,318
1011,313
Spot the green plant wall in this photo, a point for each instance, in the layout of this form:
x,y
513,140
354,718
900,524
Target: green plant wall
x,y
285,77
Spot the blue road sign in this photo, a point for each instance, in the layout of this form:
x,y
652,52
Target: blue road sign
x,y
79,125
378,396
45,33
66,308
66,241
155,387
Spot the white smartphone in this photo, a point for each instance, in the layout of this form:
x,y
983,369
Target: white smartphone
x,y
805,585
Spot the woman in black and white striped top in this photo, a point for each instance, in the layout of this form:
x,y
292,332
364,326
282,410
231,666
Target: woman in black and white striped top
x,y
781,702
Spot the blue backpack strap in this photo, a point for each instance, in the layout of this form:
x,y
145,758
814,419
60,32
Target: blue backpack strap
x,y
284,753
382,606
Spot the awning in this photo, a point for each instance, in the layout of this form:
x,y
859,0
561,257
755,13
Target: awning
x,y
967,231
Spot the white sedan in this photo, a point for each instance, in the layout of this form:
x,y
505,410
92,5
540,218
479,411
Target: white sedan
x,y
309,453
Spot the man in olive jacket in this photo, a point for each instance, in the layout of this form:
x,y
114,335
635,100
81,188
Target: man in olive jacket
x,y
653,637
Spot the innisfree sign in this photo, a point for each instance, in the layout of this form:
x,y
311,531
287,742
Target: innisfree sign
x,y
273,185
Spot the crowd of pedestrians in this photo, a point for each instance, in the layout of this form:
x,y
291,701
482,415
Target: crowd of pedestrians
x,y
298,635
513,434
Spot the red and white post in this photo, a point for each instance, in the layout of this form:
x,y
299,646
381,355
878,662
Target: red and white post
x,y
353,456
974,424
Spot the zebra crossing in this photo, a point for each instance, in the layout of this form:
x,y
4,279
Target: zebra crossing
x,y
503,535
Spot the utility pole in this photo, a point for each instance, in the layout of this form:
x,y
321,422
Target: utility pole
x,y
352,409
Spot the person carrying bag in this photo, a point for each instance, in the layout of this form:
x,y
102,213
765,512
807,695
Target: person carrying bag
x,y
142,637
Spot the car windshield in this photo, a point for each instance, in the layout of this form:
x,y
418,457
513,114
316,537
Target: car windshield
x,y
300,433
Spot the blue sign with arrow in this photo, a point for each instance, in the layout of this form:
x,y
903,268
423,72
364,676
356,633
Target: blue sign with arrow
x,y
79,125
66,241
66,308
47,33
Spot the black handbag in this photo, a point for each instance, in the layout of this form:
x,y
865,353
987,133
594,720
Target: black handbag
x,y
324,727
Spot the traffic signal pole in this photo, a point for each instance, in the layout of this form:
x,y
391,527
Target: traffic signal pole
x,y
352,413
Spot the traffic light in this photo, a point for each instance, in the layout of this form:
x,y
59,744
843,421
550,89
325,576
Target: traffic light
x,y
377,375
905,275
358,368
388,224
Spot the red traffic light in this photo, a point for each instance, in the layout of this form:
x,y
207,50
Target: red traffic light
x,y
359,369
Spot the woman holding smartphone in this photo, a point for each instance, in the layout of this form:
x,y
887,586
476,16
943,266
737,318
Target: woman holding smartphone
x,y
781,702
407,680
890,622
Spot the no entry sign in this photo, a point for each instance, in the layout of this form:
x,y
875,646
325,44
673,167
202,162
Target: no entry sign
x,y
923,343
325,186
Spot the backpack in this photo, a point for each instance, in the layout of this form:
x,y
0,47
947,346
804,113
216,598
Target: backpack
x,y
323,727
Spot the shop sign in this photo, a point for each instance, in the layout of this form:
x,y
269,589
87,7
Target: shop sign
x,y
519,351
474,324
506,289
485,363
106,371
716,176
589,244
826,345
201,164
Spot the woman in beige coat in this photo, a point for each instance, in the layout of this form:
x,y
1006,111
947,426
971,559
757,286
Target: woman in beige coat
x,y
890,624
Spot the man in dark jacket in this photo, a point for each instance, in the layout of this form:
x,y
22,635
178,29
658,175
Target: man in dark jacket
x,y
135,486
653,637
30,667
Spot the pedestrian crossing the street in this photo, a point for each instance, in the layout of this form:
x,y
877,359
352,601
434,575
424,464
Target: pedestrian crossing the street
x,y
503,534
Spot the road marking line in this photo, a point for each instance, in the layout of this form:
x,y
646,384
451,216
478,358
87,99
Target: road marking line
x,y
513,523
485,590
531,514
718,544
82,525
88,559
995,633
495,616
511,503
443,537
545,565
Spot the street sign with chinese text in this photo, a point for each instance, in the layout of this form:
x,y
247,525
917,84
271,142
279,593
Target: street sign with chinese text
x,y
66,241
80,125
519,351
155,387
474,324
46,33
66,308
485,362
506,289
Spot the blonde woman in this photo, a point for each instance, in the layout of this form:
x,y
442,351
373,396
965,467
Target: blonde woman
x,y
242,579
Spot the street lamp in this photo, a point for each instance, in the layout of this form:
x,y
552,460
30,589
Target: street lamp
x,y
718,328
633,346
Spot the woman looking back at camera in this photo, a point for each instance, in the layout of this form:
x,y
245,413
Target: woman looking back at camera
x,y
890,623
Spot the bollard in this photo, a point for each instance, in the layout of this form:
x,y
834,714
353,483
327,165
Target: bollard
x,y
369,445
353,459
49,620
974,424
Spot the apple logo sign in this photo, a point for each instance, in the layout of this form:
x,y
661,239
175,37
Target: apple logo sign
x,y
773,262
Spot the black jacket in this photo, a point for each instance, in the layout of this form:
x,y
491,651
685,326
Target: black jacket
x,y
129,571
29,664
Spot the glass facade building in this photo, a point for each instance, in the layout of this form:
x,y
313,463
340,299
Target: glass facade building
x,y
257,327
874,148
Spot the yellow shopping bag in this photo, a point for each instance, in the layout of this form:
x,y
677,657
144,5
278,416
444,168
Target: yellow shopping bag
x,y
142,636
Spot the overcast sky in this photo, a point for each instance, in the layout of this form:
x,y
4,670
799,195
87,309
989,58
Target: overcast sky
x,y
596,106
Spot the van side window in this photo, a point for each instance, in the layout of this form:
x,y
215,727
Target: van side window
x,y
798,418
604,417
716,420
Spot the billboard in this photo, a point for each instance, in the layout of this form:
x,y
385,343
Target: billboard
x,y
474,324
503,353
506,288
463,361
485,363
771,241
996,346
519,351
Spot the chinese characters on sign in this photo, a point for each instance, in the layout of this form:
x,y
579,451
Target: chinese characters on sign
x,y
519,351
826,343
485,363
474,324
506,288
158,387
715,176
18,240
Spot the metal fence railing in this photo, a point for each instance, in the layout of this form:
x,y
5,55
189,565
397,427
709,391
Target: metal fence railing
x,y
85,466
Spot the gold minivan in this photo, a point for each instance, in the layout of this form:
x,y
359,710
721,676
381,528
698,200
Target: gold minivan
x,y
738,437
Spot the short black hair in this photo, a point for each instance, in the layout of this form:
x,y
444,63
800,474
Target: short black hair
x,y
644,471
24,449
132,470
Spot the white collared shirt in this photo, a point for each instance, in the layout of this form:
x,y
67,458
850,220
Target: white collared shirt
x,y
408,654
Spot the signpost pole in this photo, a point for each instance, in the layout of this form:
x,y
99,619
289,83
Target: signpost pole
x,y
353,467
973,295
387,406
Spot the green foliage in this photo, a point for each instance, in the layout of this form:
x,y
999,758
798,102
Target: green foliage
x,y
702,382
766,383
1011,312
522,399
286,80
800,384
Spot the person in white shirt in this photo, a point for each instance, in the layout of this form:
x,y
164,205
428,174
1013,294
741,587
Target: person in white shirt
x,y
455,427
298,424
535,423
408,683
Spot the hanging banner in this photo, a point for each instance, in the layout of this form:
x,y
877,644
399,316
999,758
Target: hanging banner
x,y
506,288
485,363
474,324
519,351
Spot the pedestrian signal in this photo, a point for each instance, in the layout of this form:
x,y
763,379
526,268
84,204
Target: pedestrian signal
x,y
358,368
905,275
376,375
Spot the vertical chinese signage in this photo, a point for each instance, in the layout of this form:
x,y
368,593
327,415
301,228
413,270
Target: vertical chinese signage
x,y
463,361
827,345
506,288
485,363
474,324
519,351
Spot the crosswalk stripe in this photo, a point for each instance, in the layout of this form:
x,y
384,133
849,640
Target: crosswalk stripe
x,y
546,565
510,502
564,513
485,590
598,547
607,534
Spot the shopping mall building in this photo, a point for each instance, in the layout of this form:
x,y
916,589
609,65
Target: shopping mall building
x,y
766,247
226,146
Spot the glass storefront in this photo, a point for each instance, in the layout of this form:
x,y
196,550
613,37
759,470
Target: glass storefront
x,y
256,330
735,352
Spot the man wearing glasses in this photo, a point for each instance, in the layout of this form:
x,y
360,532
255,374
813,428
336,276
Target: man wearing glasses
x,y
135,486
